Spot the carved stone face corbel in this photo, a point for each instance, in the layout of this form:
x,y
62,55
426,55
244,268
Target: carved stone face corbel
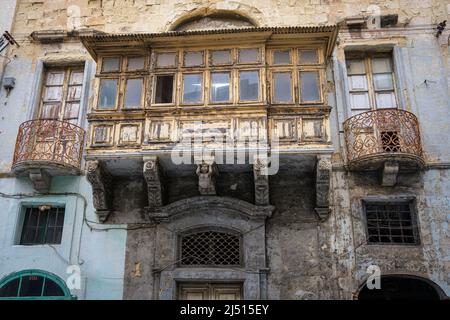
x,y
261,180
207,173
323,185
101,183
155,182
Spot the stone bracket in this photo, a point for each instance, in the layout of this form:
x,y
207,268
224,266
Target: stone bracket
x,y
323,186
390,173
207,172
154,177
101,182
261,180
40,179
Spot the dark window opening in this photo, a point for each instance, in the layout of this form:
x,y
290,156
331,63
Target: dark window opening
x,y
164,89
42,226
391,223
390,141
211,248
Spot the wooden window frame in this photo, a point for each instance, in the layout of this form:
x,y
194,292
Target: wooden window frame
x,y
122,76
272,87
272,57
231,95
210,58
125,84
367,58
259,55
203,91
238,86
296,67
68,70
185,52
155,75
155,60
321,74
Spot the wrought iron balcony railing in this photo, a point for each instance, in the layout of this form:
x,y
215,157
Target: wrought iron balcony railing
x,y
48,143
383,134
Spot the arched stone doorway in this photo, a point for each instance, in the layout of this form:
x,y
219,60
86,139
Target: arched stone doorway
x,y
403,287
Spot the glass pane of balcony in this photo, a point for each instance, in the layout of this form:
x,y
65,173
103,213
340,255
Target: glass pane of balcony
x,y
133,93
192,88
108,94
193,59
282,87
248,55
248,85
281,57
309,86
220,57
220,87
166,59
308,57
110,64
135,63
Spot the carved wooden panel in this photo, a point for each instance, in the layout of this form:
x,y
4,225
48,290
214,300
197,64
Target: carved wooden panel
x,y
130,134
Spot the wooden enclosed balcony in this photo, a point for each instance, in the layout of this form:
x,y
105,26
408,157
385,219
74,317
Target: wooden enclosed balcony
x,y
376,137
46,148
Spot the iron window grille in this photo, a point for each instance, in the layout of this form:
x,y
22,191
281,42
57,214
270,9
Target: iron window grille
x,y
211,248
42,226
391,223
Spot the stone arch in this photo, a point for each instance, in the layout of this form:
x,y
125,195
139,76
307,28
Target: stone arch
x,y
201,204
402,287
216,16
244,219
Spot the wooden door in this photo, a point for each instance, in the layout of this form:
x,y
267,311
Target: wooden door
x,y
209,291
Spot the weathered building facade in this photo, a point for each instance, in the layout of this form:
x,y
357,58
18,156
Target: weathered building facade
x,y
225,149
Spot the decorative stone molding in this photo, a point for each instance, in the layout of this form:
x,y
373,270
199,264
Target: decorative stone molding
x,y
207,204
101,183
261,180
207,172
323,181
40,179
155,183
390,172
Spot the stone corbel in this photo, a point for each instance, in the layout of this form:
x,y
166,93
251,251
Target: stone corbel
x,y
390,172
40,179
261,180
100,181
207,173
155,183
323,182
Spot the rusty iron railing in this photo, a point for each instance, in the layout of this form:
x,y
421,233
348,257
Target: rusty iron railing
x,y
49,142
382,132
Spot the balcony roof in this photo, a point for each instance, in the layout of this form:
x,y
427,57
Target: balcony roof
x,y
98,42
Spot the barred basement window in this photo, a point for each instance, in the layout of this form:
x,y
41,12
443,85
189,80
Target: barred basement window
x,y
391,223
211,248
42,226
